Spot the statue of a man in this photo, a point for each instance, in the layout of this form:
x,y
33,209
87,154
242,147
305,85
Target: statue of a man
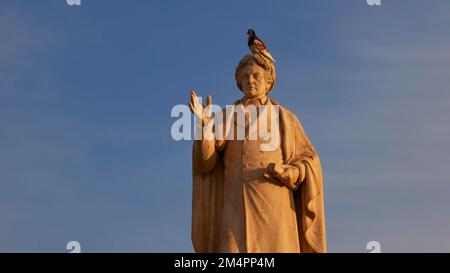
x,y
246,199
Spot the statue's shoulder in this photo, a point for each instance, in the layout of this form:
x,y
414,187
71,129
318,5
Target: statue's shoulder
x,y
288,115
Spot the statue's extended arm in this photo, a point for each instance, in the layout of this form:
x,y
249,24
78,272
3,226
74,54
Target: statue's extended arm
x,y
208,155
208,152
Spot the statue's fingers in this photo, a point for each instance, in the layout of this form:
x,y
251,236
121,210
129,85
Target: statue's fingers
x,y
278,169
281,176
208,106
267,175
271,177
193,96
197,103
277,175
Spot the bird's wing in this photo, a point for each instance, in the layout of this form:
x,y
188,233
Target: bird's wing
x,y
259,44
267,55
261,47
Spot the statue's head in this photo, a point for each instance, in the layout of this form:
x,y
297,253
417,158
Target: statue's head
x,y
255,77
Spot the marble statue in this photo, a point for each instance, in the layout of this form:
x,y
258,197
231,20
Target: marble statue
x,y
249,200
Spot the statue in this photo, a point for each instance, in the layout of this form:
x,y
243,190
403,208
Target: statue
x,y
247,199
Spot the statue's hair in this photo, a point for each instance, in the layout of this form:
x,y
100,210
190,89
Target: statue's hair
x,y
270,74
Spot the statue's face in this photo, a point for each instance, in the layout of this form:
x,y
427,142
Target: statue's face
x,y
252,81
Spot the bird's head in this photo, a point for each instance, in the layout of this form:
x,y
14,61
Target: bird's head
x,y
251,32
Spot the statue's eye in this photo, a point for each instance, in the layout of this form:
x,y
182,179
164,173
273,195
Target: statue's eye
x,y
257,76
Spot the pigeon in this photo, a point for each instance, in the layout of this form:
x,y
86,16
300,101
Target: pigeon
x,y
257,46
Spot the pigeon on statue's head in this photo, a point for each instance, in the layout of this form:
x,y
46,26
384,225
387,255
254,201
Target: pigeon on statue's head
x,y
257,46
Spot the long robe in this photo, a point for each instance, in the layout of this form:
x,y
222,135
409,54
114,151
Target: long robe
x,y
209,207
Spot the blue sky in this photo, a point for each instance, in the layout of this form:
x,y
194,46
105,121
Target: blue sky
x,y
86,94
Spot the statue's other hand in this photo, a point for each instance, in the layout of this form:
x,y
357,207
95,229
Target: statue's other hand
x,y
286,174
198,109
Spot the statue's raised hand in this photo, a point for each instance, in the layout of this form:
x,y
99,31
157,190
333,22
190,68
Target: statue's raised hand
x,y
199,110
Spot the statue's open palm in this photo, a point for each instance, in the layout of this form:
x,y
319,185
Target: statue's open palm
x,y
199,110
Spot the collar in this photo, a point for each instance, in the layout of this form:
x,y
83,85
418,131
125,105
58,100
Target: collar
x,y
257,102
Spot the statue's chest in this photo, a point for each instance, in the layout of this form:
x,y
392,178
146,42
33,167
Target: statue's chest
x,y
253,144
249,153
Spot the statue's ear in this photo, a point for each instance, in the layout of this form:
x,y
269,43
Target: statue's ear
x,y
269,86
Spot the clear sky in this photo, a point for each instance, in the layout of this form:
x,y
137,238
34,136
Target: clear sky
x,y
86,93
